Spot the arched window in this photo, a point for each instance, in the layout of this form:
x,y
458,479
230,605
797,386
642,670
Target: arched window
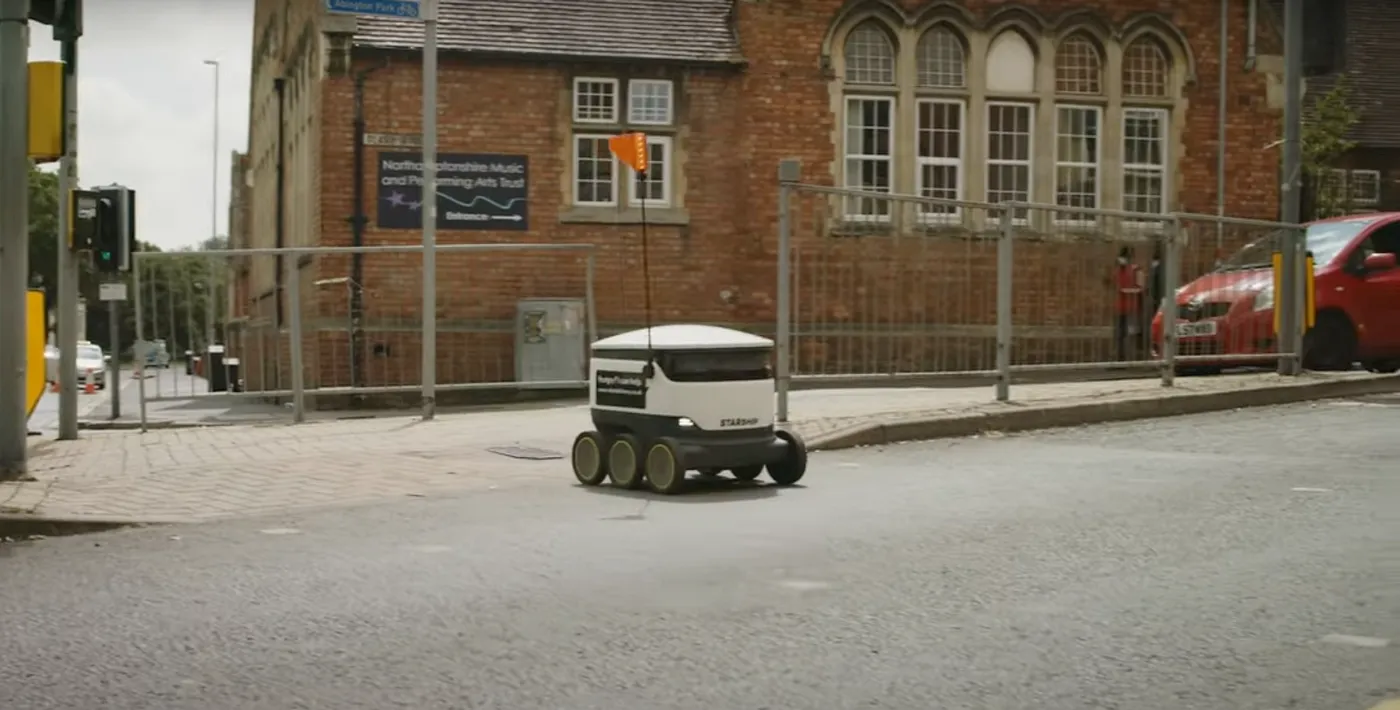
x,y
1146,69
942,60
1078,66
870,55
1010,64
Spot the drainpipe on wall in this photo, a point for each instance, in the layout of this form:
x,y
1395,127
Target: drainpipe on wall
x,y
1251,53
1220,127
280,241
358,221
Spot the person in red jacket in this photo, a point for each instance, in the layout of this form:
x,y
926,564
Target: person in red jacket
x,y
1128,304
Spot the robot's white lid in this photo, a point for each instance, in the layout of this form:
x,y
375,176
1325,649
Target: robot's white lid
x,y
683,337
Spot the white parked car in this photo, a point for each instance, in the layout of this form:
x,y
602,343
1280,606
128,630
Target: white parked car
x,y
90,358
50,363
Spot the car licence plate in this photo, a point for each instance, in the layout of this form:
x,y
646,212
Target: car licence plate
x,y
1201,329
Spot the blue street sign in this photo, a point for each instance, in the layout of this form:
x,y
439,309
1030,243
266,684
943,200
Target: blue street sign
x,y
406,9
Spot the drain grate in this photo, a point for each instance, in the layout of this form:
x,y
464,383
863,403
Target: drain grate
x,y
528,453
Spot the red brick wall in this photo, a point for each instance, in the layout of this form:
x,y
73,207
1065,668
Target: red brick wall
x,y
737,128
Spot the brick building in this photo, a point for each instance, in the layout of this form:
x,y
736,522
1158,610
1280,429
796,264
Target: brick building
x,y
1355,39
725,89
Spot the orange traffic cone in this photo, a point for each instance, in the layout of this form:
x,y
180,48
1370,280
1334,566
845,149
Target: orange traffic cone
x,y
88,386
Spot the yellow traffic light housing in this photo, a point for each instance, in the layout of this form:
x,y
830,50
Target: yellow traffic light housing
x,y
45,111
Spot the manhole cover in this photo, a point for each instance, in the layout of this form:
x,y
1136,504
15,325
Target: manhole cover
x,y
526,452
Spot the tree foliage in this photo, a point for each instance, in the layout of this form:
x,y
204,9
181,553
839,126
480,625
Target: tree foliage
x,y
174,289
1326,139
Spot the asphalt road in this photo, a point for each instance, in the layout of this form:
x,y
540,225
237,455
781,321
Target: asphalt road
x,y
1239,561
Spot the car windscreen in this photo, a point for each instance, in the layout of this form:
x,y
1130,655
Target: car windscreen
x,y
87,352
716,365
1325,240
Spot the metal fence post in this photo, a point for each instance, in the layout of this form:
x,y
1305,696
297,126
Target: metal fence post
x,y
296,344
1300,297
589,301
1004,331
789,172
138,352
1285,302
1171,271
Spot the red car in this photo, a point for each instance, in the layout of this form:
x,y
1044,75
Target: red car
x,y
1230,311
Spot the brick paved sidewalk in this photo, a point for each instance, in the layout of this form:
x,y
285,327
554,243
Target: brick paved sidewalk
x,y
189,475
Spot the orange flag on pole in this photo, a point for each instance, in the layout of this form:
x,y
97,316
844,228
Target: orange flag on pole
x,y
631,149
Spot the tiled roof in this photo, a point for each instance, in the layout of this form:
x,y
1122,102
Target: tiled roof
x,y
691,31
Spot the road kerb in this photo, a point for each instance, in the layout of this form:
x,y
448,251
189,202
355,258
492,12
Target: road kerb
x,y
1016,418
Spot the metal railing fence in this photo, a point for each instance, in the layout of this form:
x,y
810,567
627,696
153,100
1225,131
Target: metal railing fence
x,y
882,289
300,325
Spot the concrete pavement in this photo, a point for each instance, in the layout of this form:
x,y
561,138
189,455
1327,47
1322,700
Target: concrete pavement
x,y
1243,560
184,475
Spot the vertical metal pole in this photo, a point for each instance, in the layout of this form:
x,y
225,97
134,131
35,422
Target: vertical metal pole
x,y
789,172
1289,325
189,324
429,338
174,345
294,314
1004,331
1221,122
590,300
141,360
1171,272
70,312
114,372
14,238
209,335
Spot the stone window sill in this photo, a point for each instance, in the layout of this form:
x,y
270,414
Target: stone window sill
x,y
672,216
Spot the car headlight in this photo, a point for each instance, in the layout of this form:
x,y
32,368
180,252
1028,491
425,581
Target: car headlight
x,y
685,422
1264,300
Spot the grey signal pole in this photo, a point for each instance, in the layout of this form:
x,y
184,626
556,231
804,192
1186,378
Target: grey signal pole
x,y
14,238
429,374
68,311
1292,243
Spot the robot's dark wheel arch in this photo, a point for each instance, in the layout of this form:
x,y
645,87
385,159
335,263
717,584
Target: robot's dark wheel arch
x,y
660,464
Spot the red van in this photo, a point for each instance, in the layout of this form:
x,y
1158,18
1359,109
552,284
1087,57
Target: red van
x,y
1230,311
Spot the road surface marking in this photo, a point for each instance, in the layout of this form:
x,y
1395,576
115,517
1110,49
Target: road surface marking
x,y
1362,641
804,584
280,531
1392,704
1302,489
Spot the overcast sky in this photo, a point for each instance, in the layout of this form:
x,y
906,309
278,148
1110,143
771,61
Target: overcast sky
x,y
146,106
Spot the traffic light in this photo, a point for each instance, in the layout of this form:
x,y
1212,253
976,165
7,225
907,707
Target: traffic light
x,y
116,229
82,223
65,16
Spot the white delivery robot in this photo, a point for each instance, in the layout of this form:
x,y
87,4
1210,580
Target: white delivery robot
x,y
674,398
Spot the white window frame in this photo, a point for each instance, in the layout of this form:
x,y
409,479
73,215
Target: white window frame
x,y
635,200
1029,162
1097,166
1164,120
574,172
849,214
922,161
670,87
617,99
1371,201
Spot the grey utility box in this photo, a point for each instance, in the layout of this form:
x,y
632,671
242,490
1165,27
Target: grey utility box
x,y
551,340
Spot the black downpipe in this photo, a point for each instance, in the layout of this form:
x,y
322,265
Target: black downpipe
x,y
358,222
280,85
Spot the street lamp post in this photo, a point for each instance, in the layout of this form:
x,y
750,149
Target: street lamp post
x,y
210,290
